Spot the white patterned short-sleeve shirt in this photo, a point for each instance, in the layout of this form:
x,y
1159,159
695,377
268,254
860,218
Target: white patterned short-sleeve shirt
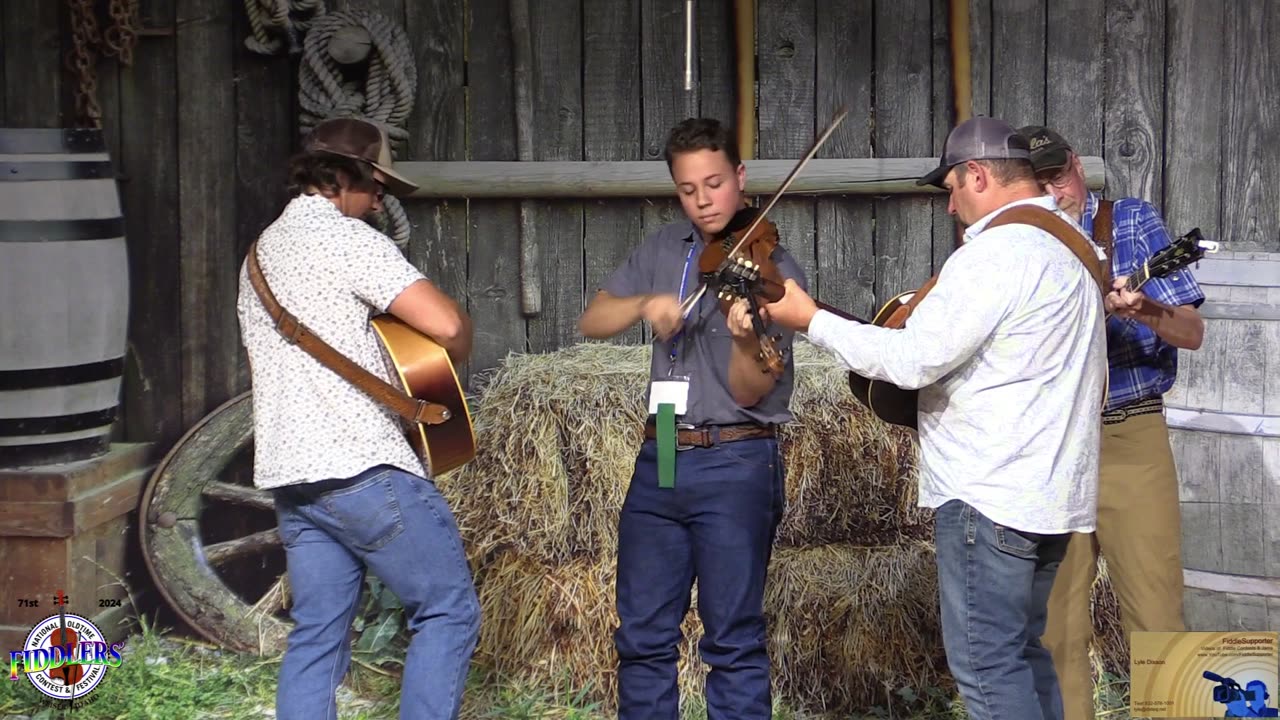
x,y
334,273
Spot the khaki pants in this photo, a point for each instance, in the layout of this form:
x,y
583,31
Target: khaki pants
x,y
1139,532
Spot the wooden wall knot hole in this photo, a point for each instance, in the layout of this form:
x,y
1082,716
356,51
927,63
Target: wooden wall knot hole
x,y
1128,149
786,49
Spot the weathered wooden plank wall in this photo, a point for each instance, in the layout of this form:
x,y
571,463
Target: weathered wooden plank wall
x,y
1175,94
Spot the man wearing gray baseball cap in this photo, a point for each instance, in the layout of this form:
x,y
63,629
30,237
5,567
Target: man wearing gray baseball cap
x,y
982,138
1008,353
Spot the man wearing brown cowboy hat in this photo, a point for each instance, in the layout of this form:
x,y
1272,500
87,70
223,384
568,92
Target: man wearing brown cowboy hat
x,y
350,493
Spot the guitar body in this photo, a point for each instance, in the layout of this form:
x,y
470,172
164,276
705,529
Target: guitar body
x,y
425,372
887,401
897,406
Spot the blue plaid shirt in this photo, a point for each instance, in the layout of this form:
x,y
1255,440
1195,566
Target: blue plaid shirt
x,y
1143,366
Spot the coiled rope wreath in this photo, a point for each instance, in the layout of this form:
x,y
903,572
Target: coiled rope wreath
x,y
278,25
377,85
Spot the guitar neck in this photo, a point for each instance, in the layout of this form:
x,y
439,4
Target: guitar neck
x,y
840,313
1139,278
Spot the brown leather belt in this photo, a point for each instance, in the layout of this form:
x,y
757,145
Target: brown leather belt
x,y
710,435
1141,407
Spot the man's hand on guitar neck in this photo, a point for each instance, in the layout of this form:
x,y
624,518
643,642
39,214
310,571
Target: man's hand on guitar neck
x,y
795,310
1178,325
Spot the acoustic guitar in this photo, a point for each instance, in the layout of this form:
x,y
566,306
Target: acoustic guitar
x,y
425,372
429,397
899,406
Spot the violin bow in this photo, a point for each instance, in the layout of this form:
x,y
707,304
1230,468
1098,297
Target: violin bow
x,y
689,302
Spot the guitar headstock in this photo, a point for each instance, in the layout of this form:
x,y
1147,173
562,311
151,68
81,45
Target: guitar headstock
x,y
1184,251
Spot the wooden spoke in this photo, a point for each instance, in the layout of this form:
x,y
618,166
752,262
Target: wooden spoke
x,y
257,543
239,494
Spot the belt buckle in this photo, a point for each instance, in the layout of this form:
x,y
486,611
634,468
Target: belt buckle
x,y
679,427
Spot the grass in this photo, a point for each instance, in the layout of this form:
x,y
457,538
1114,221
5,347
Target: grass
x,y
169,676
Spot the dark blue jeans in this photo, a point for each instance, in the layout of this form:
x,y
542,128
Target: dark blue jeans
x,y
398,526
994,583
716,526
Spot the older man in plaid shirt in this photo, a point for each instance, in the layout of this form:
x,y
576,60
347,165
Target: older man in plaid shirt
x,y
1138,528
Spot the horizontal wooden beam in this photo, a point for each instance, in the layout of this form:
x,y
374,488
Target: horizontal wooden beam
x,y
1228,583
1180,418
650,178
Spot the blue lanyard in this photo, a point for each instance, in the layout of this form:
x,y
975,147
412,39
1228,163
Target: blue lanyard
x,y
684,277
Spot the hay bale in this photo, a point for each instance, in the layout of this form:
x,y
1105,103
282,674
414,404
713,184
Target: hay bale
x,y
852,597
846,623
552,626
558,433
850,477
1110,650
849,625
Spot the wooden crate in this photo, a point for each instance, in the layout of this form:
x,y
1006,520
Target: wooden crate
x,y
72,527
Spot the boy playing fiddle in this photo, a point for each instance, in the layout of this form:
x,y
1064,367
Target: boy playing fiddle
x,y
707,511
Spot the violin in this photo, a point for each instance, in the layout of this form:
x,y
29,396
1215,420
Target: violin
x,y
747,241
748,238
760,282
66,638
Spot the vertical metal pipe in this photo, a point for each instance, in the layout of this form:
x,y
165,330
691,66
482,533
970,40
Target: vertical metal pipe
x,y
744,16
961,80
688,44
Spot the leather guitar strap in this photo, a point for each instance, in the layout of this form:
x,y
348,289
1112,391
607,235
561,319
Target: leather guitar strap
x,y
1102,234
1047,221
1083,248
295,333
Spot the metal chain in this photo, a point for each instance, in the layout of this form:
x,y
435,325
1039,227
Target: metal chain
x,y
121,37
87,43
81,61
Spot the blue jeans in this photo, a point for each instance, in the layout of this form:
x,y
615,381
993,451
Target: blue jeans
x,y
994,583
398,526
716,526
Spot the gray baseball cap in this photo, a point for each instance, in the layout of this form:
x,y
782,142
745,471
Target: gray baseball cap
x,y
980,138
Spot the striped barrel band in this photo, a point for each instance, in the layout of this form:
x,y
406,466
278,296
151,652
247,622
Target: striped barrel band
x,y
56,424
61,230
47,141
57,170
54,452
58,376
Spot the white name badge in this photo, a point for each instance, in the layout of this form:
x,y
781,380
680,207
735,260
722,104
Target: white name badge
x,y
675,392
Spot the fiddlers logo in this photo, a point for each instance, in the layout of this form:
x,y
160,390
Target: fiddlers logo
x,y
65,656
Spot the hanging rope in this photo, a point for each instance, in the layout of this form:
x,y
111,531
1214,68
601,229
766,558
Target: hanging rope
x,y
278,25
379,85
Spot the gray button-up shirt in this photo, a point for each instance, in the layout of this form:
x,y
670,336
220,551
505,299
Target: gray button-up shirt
x,y
702,349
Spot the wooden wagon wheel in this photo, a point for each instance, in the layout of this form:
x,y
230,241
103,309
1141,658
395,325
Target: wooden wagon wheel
x,y
186,570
